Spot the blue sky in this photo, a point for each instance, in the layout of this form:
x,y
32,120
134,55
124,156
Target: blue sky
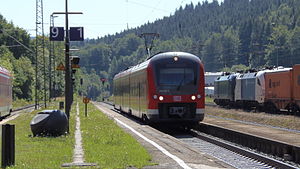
x,y
99,17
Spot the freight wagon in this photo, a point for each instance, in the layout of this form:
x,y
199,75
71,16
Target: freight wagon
x,y
282,89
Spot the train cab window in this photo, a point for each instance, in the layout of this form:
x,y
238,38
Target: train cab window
x,y
258,82
176,76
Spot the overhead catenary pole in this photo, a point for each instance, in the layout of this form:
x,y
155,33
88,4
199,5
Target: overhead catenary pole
x,y
40,68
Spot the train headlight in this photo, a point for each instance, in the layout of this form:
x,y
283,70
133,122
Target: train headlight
x,y
175,58
155,96
193,97
161,98
198,96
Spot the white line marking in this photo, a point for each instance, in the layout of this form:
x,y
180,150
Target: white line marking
x,y
163,150
78,156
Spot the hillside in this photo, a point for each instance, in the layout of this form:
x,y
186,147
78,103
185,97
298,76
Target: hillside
x,y
250,34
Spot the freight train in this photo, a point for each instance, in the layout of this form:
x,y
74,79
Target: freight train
x,y
270,90
166,88
5,92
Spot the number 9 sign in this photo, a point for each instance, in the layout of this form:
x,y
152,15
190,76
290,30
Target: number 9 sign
x,y
57,34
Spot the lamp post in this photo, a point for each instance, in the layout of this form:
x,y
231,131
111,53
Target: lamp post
x,y
68,91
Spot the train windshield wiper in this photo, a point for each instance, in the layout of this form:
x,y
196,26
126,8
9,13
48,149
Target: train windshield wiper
x,y
180,84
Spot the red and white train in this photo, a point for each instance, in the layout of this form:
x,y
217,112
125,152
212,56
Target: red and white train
x,y
5,92
166,88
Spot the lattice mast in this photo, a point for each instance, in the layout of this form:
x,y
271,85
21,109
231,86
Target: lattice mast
x,y
40,59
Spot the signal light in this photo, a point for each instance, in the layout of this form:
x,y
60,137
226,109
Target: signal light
x,y
75,61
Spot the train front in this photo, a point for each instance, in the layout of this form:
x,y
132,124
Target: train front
x,y
176,88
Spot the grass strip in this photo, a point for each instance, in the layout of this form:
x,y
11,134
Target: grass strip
x,y
41,152
285,121
209,99
106,144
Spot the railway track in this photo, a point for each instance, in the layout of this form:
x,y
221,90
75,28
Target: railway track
x,y
15,112
22,108
256,151
262,150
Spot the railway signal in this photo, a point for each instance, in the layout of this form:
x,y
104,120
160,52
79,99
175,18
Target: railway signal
x,y
75,62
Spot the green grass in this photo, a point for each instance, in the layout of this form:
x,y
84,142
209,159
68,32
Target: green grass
x,y
209,99
106,144
20,102
286,121
40,152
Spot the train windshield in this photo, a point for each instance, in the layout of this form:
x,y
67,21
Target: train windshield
x,y
176,78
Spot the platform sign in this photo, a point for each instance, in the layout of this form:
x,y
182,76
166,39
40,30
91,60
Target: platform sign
x,y
76,34
57,33
86,101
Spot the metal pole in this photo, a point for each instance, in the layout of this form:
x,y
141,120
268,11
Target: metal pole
x,y
67,75
85,109
50,62
44,58
8,145
36,59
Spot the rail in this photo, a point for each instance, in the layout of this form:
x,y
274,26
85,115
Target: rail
x,y
279,149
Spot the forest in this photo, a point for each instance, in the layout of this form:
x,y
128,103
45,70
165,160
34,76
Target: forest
x,y
234,35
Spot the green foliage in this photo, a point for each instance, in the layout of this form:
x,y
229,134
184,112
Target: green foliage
x,y
23,79
5,58
233,35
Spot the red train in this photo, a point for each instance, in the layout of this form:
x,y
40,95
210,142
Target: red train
x,y
166,88
5,92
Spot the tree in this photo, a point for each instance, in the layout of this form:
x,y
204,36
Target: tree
x,y
5,58
294,43
23,79
278,52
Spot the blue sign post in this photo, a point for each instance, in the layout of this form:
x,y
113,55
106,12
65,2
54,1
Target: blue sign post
x,y
57,33
76,34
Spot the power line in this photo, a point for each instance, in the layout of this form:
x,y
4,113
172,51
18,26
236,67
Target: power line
x,y
2,30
